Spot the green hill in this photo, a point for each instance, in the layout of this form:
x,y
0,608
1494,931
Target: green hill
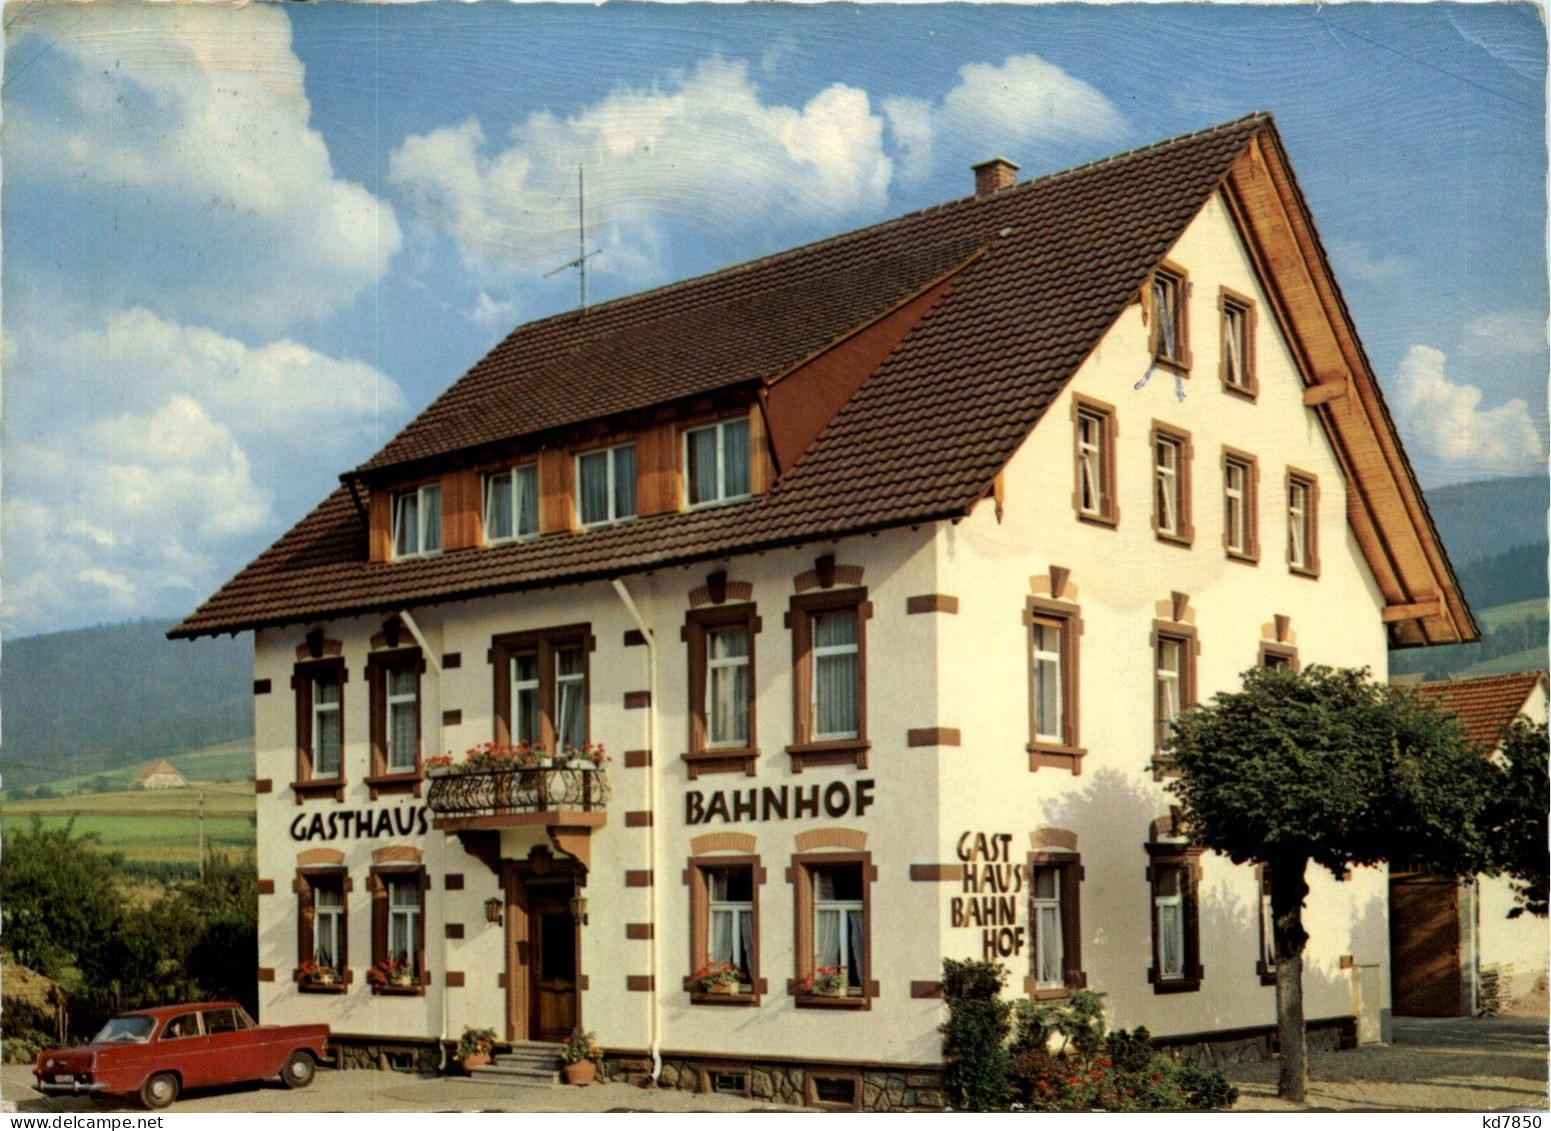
x,y
98,700
1490,516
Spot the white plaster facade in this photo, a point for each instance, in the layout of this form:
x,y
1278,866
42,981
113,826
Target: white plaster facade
x,y
966,671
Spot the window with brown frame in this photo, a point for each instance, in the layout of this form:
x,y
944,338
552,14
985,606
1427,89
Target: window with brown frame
x,y
829,685
541,687
1169,295
722,720
1053,629
1093,492
398,927
833,930
1174,875
1274,655
1266,966
322,930
1171,458
1055,925
724,929
1174,648
1236,315
320,727
1302,523
1241,512
393,682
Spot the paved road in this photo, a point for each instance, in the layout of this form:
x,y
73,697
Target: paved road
x,y
1451,1064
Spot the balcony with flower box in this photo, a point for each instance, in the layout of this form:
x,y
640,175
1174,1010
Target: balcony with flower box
x,y
508,786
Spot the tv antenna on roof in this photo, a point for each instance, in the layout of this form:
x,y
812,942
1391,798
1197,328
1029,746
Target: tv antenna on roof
x,y
582,254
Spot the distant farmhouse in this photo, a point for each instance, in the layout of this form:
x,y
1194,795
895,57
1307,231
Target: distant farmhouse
x,y
1454,949
160,774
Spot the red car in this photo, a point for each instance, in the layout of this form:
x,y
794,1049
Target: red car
x,y
156,1053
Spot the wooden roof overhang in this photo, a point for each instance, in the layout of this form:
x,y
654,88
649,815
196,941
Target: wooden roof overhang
x,y
1423,603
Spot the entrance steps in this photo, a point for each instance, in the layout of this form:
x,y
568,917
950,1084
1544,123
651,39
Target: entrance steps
x,y
530,1064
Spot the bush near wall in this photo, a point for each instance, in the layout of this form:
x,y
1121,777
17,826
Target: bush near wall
x,y
1061,1057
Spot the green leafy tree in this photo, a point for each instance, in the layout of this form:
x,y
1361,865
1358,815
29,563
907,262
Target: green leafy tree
x,y
1327,767
59,902
1517,815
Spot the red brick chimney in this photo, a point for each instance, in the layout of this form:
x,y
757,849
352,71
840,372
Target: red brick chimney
x,y
994,175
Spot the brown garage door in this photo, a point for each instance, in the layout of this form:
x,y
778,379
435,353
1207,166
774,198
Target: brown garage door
x,y
1424,947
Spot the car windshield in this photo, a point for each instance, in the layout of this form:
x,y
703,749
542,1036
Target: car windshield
x,y
125,1030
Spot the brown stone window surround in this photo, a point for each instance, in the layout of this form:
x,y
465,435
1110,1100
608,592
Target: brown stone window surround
x,y
1175,648
1301,491
1172,456
698,876
310,879
1055,850
319,664
1265,965
1168,303
1053,742
419,881
1278,645
1237,312
701,625
543,644
391,654
1174,879
1094,436
1241,494
808,748
803,876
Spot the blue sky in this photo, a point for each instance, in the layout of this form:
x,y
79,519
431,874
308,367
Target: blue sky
x,y
243,246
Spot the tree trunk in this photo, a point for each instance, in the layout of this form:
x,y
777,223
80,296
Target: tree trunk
x,y
1288,891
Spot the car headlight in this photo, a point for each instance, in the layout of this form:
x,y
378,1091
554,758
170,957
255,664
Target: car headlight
x,y
49,1063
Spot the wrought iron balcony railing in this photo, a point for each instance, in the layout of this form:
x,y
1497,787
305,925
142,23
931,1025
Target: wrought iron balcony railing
x,y
498,793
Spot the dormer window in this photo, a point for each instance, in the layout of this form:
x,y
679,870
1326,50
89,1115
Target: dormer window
x,y
417,522
511,504
605,485
716,463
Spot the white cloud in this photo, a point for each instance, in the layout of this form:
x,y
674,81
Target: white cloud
x,y
268,392
191,122
704,150
135,487
1007,109
490,312
1444,420
112,516
1359,262
1511,331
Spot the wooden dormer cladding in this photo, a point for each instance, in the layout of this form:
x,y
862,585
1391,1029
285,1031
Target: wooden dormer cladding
x,y
659,442
1423,601
801,401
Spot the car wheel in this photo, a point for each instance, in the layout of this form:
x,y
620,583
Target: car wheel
x,y
159,1090
298,1070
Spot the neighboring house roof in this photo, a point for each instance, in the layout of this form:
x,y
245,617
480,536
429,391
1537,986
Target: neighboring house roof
x,y
1486,704
161,766
1039,273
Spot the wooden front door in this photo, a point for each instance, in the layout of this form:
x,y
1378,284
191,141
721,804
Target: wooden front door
x,y
552,946
1424,933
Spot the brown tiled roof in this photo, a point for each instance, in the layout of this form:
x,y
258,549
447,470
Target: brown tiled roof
x,y
1483,705
921,440
161,766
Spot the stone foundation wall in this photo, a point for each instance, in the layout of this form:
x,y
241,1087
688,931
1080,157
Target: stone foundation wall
x,y
1208,1051
788,1083
421,1057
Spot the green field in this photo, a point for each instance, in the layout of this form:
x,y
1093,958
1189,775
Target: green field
x,y
1500,615
150,825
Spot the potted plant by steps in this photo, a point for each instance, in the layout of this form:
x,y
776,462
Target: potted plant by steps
x,y
474,1047
579,1058
718,978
